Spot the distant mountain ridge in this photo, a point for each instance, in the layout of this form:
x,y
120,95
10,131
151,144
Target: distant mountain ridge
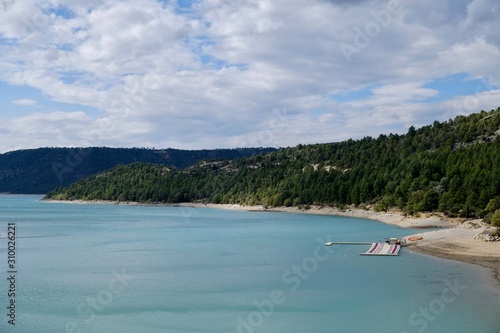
x,y
38,171
451,166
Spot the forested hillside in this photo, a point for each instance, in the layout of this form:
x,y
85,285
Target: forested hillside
x,y
42,170
453,167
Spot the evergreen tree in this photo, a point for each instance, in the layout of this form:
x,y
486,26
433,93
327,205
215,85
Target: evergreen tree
x,y
426,170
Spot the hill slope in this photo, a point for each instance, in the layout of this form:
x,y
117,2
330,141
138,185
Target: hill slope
x,y
42,170
452,166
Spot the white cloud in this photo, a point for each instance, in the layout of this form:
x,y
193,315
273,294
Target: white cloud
x,y
476,57
217,75
25,102
46,129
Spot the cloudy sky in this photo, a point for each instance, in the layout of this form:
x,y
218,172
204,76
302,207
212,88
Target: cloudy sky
x,y
239,73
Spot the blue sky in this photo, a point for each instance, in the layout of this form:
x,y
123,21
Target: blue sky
x,y
19,101
61,10
455,85
452,86
220,73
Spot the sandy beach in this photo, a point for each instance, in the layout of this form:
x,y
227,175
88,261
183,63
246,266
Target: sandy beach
x,y
459,243
455,241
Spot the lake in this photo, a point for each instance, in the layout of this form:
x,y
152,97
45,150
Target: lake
x,y
119,268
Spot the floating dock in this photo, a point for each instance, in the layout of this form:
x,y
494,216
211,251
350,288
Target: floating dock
x,y
383,249
376,249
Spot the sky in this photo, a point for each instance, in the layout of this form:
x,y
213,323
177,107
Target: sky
x,y
243,73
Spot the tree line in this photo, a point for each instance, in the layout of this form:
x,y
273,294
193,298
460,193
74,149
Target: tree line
x,y
35,171
451,166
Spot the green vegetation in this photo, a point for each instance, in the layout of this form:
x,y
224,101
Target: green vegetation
x,y
42,170
453,167
495,219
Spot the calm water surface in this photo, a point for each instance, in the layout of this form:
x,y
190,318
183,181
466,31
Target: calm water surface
x,y
105,268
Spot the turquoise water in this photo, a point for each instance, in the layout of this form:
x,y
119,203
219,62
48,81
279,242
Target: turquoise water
x,y
105,268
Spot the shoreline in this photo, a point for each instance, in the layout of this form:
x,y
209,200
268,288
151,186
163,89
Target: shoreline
x,y
454,241
459,244
488,262
425,221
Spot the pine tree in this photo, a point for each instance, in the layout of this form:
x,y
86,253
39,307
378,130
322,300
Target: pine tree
x,y
495,219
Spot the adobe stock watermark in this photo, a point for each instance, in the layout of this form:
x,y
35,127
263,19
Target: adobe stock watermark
x,y
135,92
277,123
32,32
188,213
88,309
292,278
364,36
72,160
95,137
425,316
